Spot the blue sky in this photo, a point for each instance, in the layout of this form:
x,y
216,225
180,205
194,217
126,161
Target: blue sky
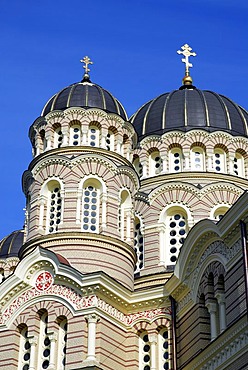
x,y
133,46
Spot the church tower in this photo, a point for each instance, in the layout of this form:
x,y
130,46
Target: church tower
x,y
131,254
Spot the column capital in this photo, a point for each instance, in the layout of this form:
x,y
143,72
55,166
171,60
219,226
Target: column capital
x,y
212,307
53,337
92,318
33,341
153,338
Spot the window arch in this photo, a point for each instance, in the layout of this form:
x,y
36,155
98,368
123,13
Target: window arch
x,y
51,206
155,163
174,226
175,160
138,244
238,164
125,209
144,352
219,160
92,202
197,159
212,300
75,134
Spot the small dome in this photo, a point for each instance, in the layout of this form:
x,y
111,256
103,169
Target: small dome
x,y
190,108
11,244
84,94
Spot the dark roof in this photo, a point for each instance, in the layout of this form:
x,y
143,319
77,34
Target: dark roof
x,y
11,244
189,108
87,95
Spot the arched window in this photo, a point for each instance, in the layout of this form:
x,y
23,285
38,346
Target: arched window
x,y
75,134
90,205
58,137
176,225
173,231
197,159
125,215
62,340
44,343
219,160
43,140
138,244
163,349
24,353
93,136
238,165
144,352
54,209
138,166
175,159
51,207
110,140
218,212
155,163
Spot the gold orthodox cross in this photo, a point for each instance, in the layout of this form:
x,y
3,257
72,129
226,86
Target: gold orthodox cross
x,y
187,53
86,60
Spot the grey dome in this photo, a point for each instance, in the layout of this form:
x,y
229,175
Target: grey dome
x,y
87,95
11,244
189,108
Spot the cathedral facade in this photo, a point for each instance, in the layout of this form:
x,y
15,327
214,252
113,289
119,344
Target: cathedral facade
x,y
134,250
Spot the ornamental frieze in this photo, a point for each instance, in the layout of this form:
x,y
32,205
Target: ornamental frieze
x,y
78,302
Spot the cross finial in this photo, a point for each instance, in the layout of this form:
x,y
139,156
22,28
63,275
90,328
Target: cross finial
x,y
86,60
187,53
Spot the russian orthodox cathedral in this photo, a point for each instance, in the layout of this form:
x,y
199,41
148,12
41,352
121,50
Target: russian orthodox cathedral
x,y
134,249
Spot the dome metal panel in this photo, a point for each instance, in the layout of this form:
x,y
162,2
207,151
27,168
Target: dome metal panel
x,y
11,244
86,95
189,108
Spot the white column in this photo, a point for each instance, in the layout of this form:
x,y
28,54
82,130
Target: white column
x,y
65,134
92,321
84,135
79,201
187,161
222,310
33,343
128,230
212,309
153,340
162,244
209,162
104,211
53,340
144,167
41,218
164,163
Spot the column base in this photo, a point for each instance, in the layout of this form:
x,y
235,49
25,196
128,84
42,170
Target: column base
x,y
89,365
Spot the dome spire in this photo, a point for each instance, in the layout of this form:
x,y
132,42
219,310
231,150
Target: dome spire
x,y
186,51
86,60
